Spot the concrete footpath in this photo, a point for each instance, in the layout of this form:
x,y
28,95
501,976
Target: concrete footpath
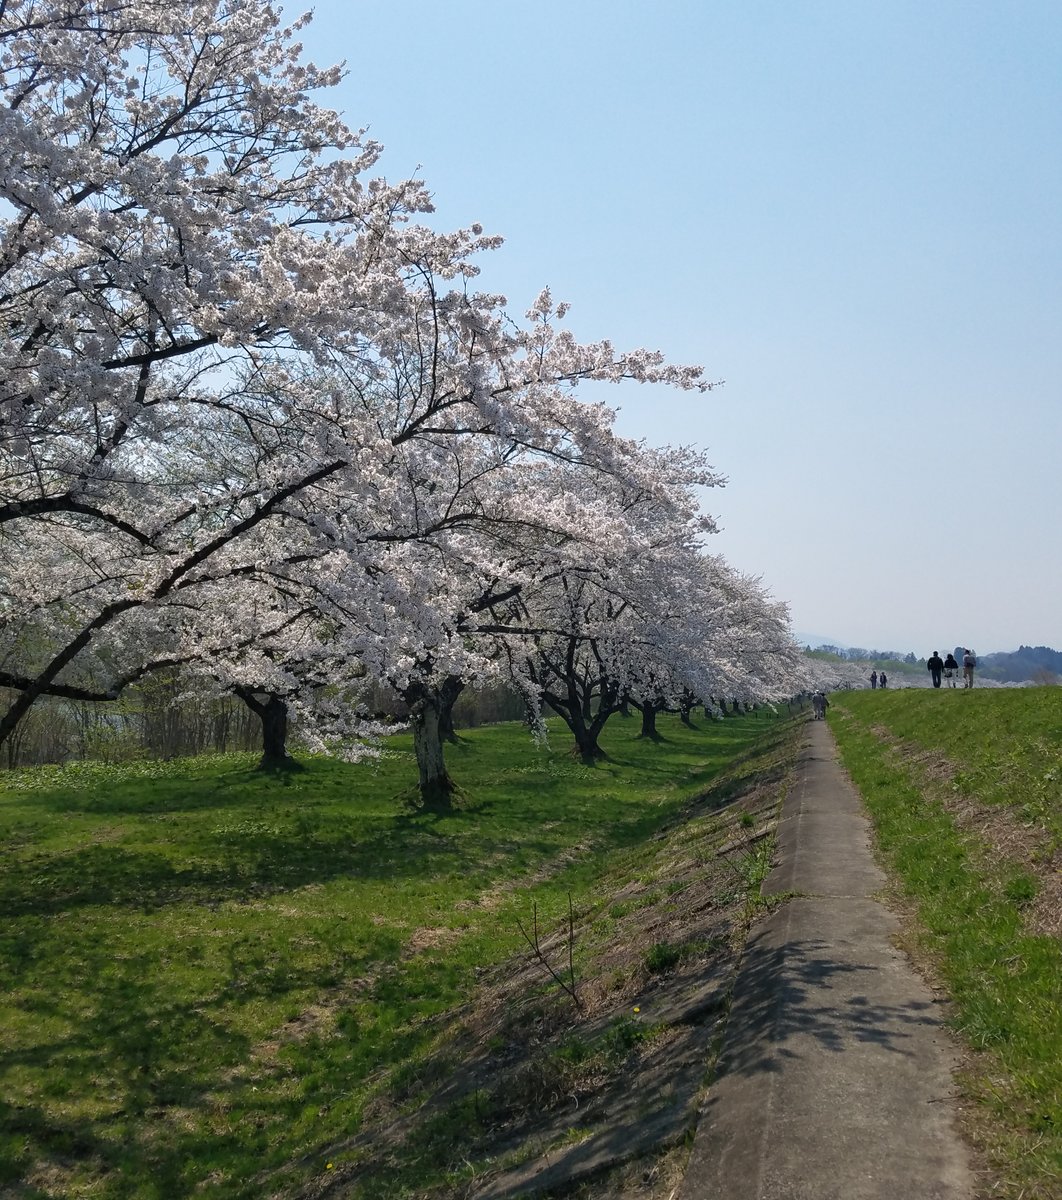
x,y
834,1081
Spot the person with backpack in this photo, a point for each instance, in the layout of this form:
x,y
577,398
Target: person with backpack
x,y
935,665
969,661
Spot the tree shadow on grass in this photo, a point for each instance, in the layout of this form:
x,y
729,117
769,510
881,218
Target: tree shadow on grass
x,y
252,859
246,866
113,1086
282,842
160,794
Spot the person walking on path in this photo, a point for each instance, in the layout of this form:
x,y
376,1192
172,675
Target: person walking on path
x,y
935,665
873,679
820,704
969,661
883,680
951,669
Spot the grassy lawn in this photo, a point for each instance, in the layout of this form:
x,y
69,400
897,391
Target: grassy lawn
x,y
207,974
965,789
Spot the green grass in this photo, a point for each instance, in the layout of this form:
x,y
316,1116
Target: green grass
x,y
208,974
972,897
1006,743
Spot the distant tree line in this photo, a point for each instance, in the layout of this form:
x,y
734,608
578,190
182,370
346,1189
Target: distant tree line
x,y
170,715
1040,664
859,654
1027,664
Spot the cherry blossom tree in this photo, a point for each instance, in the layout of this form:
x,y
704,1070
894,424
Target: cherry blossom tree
x,y
170,225
712,632
255,421
233,360
596,620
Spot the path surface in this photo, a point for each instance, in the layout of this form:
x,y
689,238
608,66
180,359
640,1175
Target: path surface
x,y
835,1077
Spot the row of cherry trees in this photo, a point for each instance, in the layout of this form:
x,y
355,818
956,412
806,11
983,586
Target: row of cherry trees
x,y
256,421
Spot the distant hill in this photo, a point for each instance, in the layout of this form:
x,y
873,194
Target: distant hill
x,y
1035,663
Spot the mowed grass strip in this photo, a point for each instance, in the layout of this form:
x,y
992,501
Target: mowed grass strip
x,y
972,899
207,973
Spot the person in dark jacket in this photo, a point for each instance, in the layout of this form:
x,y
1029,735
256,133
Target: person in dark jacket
x,y
935,665
951,669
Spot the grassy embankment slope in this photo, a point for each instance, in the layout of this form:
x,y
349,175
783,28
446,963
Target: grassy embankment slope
x,y
965,789
211,980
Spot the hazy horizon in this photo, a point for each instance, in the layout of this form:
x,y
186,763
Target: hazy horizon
x,y
815,641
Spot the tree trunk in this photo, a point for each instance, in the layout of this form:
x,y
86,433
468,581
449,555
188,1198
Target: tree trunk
x,y
436,787
425,705
18,708
649,709
452,687
274,734
272,711
574,699
584,732
585,735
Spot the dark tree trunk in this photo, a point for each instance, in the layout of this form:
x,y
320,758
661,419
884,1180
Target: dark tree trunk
x,y
586,735
574,699
452,687
21,705
272,711
437,789
275,733
649,710
585,731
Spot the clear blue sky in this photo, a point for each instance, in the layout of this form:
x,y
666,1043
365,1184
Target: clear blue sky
x,y
849,210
